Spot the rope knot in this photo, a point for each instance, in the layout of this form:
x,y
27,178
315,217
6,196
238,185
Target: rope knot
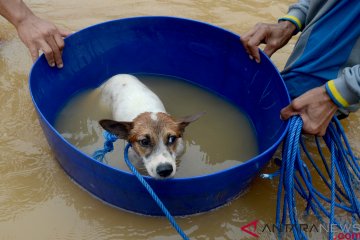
x,y
108,146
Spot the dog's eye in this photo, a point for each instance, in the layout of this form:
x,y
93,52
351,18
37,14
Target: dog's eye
x,y
145,142
171,139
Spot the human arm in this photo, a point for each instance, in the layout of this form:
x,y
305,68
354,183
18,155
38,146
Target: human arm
x,y
36,33
275,36
345,90
316,107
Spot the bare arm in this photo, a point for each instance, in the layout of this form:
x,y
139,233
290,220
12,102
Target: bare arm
x,y
315,108
36,33
275,36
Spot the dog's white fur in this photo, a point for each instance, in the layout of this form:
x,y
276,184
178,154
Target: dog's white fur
x,y
128,97
137,109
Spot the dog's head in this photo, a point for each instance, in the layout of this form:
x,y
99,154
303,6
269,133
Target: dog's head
x,y
156,138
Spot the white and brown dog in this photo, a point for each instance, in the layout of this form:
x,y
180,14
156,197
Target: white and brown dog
x,y
141,119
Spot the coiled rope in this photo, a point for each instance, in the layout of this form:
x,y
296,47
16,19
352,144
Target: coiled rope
x,y
294,174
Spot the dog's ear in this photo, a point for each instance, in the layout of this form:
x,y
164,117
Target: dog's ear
x,y
120,129
185,121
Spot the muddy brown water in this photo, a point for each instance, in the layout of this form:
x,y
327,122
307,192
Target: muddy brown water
x,y
210,144
39,201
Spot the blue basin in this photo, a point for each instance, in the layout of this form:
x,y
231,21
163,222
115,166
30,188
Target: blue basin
x,y
205,55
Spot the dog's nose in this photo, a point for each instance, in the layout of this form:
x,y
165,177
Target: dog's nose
x,y
164,170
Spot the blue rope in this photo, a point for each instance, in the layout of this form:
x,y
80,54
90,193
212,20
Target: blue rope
x,y
153,194
332,205
108,147
294,174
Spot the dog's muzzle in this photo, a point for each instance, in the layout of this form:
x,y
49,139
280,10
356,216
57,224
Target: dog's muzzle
x,y
164,170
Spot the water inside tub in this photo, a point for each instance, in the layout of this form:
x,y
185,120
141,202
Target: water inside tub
x,y
220,139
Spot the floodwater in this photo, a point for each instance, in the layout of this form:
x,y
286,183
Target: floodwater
x,y
39,201
206,150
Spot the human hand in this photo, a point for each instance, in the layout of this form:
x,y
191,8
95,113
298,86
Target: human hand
x,y
316,109
40,35
275,36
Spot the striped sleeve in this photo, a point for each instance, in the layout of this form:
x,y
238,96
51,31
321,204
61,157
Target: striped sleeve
x,y
297,14
294,20
345,90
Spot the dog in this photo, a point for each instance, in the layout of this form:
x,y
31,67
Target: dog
x,y
140,117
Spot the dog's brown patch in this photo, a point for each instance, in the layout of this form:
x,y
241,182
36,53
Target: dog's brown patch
x,y
155,130
150,131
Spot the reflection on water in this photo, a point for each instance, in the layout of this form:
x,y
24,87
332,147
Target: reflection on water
x,y
39,201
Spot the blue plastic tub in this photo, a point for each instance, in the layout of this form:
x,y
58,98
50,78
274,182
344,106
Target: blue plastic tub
x,y
201,53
